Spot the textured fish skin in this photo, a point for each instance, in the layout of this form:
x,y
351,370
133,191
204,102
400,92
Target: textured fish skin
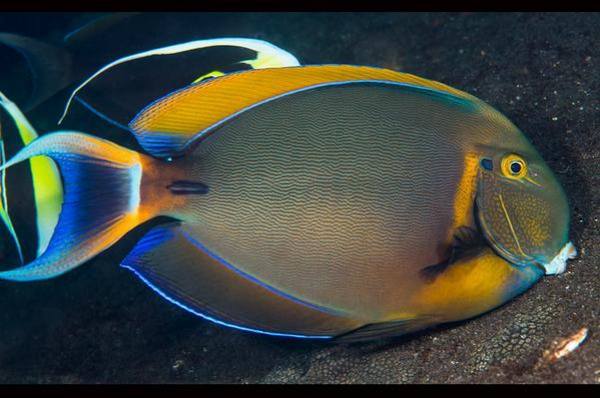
x,y
339,195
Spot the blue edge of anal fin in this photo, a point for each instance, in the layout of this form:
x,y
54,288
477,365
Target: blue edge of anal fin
x,y
159,235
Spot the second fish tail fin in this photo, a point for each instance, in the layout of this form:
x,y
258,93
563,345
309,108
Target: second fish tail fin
x,y
4,216
50,66
102,190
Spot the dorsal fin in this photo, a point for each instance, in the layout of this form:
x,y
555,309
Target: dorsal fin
x,y
166,126
117,91
94,27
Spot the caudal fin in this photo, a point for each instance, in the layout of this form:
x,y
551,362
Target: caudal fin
x,y
50,66
101,200
4,203
114,94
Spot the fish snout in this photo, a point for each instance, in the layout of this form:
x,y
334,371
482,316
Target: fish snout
x,y
558,265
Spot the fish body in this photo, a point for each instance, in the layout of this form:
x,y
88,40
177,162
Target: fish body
x,y
355,194
337,201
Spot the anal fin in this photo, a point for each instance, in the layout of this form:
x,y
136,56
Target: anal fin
x,y
386,329
169,261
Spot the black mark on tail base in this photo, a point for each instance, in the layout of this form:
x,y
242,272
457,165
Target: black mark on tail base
x,y
183,187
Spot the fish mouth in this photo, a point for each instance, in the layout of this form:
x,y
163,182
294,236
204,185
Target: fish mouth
x,y
558,265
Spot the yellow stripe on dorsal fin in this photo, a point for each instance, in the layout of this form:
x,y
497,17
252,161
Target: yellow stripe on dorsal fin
x,y
167,125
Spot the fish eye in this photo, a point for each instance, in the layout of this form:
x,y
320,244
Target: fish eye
x,y
514,166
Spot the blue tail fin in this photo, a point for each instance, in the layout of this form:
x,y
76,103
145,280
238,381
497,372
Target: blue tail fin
x,y
101,201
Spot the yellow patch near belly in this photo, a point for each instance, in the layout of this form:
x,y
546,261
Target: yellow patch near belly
x,y
467,288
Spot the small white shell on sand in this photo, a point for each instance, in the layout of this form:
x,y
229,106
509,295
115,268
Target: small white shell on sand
x,y
566,346
559,263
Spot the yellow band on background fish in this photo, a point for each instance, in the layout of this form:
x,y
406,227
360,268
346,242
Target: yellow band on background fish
x,y
47,185
214,73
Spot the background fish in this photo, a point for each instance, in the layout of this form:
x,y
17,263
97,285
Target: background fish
x,y
318,201
46,184
73,53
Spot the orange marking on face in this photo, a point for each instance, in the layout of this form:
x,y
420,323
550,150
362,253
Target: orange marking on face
x,y
465,194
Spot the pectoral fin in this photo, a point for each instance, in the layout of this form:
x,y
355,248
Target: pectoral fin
x,y
466,242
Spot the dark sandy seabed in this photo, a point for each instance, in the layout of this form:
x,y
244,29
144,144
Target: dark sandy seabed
x,y
100,324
